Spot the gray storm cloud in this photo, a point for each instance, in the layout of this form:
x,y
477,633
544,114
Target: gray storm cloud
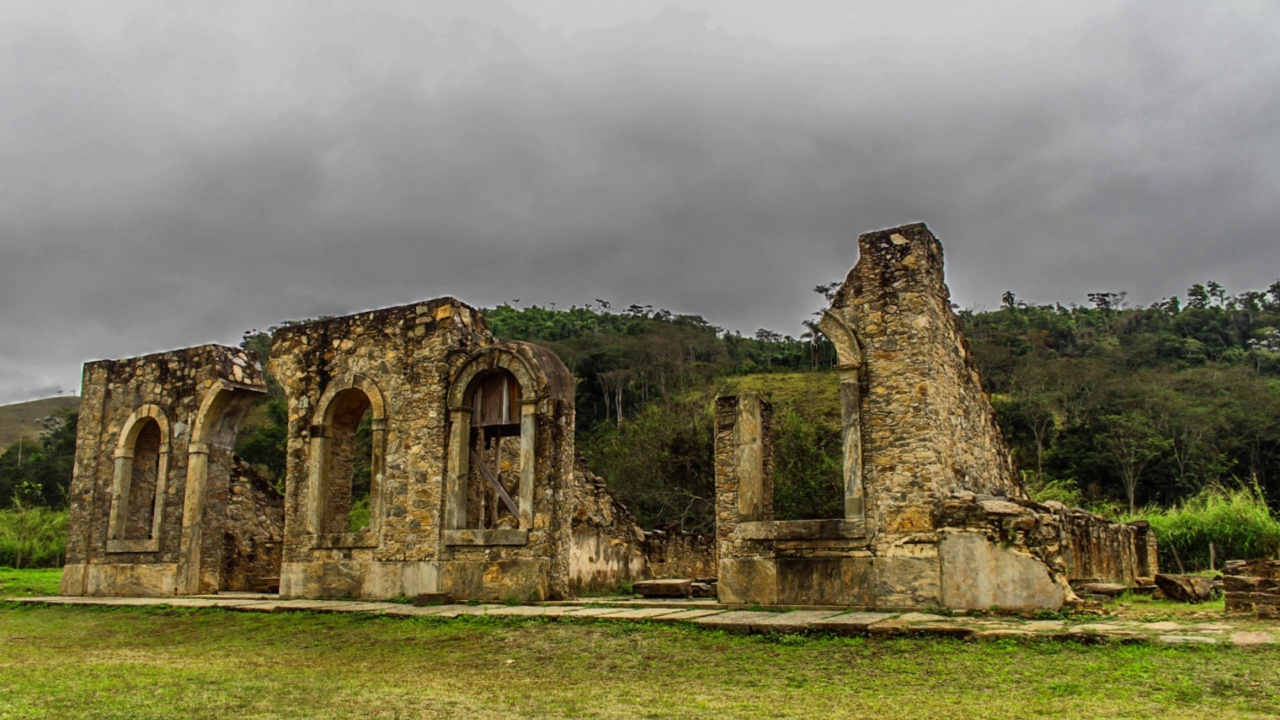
x,y
177,177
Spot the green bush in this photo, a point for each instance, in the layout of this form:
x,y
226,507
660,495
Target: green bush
x,y
33,537
358,518
1236,521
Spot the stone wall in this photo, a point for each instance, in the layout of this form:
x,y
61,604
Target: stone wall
x,y
253,535
1252,586
983,551
439,522
677,554
927,426
608,546
1098,550
399,361
1015,553
153,421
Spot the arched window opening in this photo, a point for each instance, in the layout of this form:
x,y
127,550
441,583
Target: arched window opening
x,y
494,478
348,472
143,480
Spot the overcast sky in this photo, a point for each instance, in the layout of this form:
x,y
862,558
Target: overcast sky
x,y
170,177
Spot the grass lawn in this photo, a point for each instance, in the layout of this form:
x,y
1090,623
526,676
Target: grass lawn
x,y
70,662
29,583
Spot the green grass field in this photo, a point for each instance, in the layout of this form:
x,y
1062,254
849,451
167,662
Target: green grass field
x,y
29,583
68,662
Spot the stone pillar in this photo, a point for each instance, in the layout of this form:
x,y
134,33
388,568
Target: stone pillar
x,y
317,485
741,477
377,484
528,460
851,435
744,494
457,467
193,519
120,494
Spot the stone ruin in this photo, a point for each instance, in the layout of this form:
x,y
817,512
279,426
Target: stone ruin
x,y
1252,586
476,493
934,514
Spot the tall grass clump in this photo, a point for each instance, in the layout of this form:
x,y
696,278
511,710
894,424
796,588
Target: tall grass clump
x,y
1237,522
33,537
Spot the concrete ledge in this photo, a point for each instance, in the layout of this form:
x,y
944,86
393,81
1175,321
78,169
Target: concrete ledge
x,y
802,530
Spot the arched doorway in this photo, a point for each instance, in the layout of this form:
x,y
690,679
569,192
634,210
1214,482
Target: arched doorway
x,y
232,527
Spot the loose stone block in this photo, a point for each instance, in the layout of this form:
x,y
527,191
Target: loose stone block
x,y
664,588
1185,640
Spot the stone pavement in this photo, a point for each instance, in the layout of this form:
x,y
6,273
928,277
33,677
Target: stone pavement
x,y
718,617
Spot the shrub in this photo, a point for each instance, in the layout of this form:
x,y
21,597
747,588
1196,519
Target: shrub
x,y
32,537
1236,521
1043,489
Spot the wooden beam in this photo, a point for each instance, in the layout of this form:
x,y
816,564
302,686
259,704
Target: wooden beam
x,y
493,480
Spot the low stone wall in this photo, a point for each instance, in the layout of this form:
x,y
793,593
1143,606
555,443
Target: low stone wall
x,y
1098,550
608,547
606,544
677,554
1253,586
1016,553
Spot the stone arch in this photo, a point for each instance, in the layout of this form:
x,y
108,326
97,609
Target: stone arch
x,y
147,419
327,437
848,349
222,409
497,358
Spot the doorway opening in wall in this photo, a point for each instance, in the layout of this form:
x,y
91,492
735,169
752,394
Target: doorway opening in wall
x,y
494,472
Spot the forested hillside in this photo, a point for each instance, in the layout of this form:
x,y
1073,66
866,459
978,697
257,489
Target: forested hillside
x,y
1102,403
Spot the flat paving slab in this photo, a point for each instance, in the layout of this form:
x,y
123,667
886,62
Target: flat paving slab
x,y
1244,639
519,611
412,611
641,614
1185,640
595,612
736,621
850,624
793,623
453,611
558,610
686,615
